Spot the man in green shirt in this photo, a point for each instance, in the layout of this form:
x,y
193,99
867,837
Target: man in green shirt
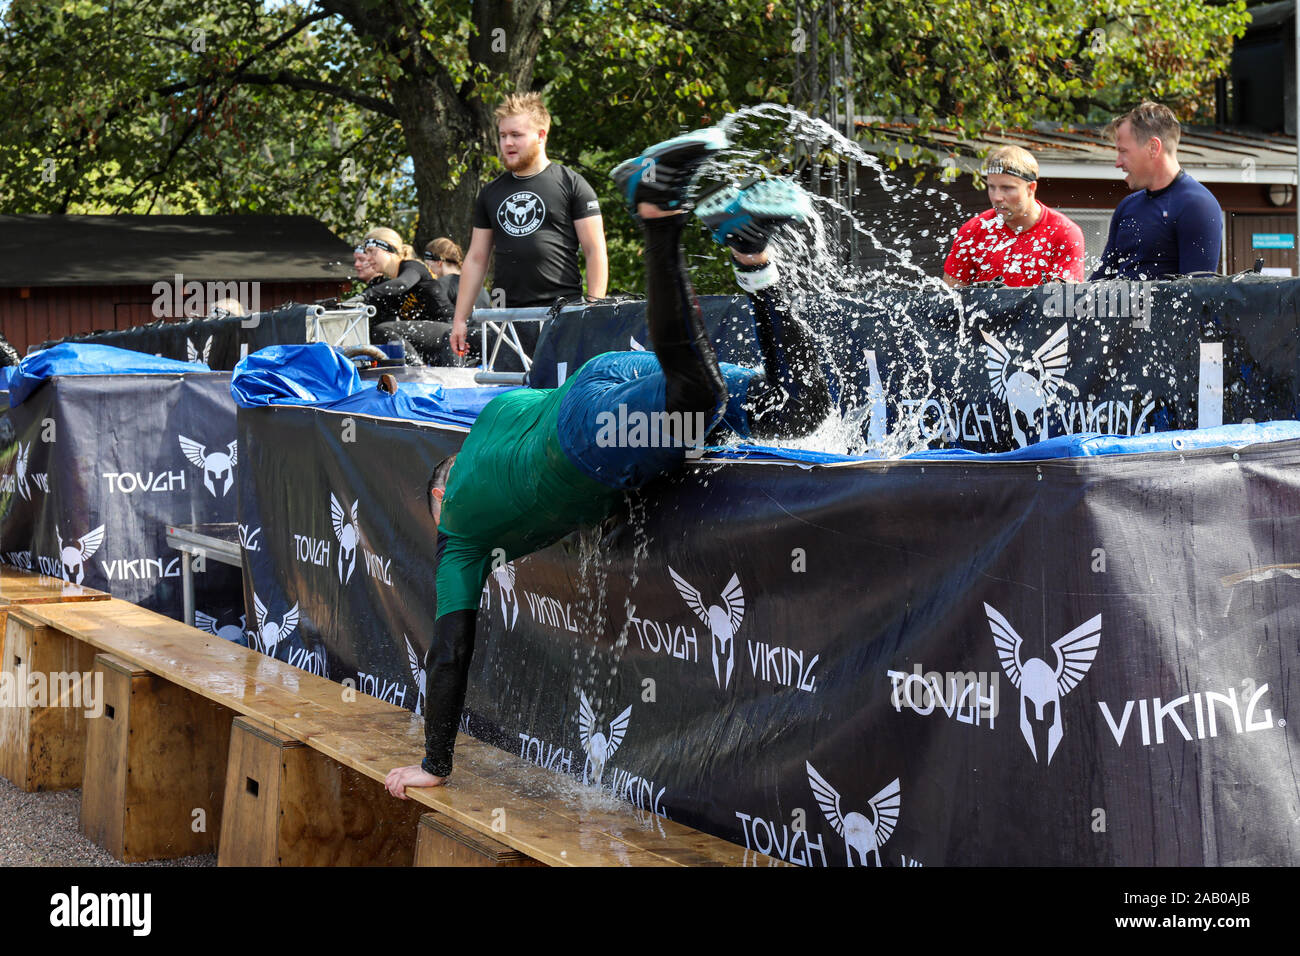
x,y
540,463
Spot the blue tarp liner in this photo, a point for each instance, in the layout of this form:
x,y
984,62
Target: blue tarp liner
x,y
81,359
319,376
1082,445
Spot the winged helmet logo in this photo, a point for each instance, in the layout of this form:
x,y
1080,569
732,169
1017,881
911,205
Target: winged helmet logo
x,y
216,466
600,748
722,620
862,834
1040,683
1027,387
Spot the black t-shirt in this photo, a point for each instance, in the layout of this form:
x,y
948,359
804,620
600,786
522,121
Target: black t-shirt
x,y
452,283
536,245
413,295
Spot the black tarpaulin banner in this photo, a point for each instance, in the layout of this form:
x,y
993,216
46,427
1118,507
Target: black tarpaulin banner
x,y
1079,661
996,369
94,467
217,343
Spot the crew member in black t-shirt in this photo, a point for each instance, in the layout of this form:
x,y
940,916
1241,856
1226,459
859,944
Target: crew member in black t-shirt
x,y
535,215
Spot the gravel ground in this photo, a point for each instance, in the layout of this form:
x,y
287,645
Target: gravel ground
x,y
42,829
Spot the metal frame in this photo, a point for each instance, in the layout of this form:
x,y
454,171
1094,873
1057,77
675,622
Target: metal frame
x,y
188,541
502,322
359,315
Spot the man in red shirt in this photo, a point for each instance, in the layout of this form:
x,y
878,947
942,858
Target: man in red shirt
x,y
1020,241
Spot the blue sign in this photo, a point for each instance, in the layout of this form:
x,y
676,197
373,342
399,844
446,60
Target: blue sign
x,y
1272,240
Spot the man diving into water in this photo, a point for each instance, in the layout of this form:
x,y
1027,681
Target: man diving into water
x,y
537,465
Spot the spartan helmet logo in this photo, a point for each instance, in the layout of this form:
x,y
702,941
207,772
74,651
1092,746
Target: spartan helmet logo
x,y
521,213
600,749
192,354
218,466
20,470
348,532
861,834
206,622
1028,387
269,633
74,558
505,578
722,620
1040,684
417,675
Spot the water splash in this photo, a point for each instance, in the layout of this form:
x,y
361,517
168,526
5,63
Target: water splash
x,y
835,296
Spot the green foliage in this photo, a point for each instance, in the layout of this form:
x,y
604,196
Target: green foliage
x,y
289,107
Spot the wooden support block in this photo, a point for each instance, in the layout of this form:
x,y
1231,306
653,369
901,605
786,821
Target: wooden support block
x,y
46,677
444,842
155,767
289,805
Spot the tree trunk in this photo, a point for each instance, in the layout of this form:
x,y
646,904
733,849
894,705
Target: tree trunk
x,y
446,124
441,129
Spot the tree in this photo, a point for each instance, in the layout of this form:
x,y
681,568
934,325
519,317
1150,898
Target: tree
x,y
363,111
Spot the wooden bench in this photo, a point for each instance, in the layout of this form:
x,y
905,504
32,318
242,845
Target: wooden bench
x,y
42,741
495,796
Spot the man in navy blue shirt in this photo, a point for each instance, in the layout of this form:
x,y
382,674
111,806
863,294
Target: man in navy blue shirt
x,y
1171,225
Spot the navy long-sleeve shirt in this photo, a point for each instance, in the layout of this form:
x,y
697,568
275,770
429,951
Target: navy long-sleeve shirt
x,y
1172,231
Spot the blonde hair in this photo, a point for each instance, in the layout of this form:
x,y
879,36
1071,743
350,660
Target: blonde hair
x,y
446,250
391,237
1013,161
527,104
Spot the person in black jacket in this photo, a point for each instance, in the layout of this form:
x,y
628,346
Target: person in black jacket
x,y
411,304
444,259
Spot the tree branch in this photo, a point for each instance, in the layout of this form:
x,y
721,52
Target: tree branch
x,y
293,81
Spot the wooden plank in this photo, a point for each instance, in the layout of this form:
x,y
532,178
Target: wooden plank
x,y
103,792
330,815
42,746
163,753
179,745
14,718
564,827
538,830
23,587
443,842
250,818
590,808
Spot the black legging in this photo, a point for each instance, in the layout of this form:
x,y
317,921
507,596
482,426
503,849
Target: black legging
x,y
792,401
793,398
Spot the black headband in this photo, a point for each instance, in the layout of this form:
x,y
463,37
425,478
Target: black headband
x,y
1010,171
372,243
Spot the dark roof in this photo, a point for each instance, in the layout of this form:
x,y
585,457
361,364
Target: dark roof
x,y
1267,15
122,250
1210,155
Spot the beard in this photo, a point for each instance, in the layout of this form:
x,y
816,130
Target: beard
x,y
523,159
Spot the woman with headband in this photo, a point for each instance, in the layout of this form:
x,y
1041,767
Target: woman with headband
x,y
406,296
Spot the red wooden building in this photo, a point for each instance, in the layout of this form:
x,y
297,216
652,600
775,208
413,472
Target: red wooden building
x,y
63,275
